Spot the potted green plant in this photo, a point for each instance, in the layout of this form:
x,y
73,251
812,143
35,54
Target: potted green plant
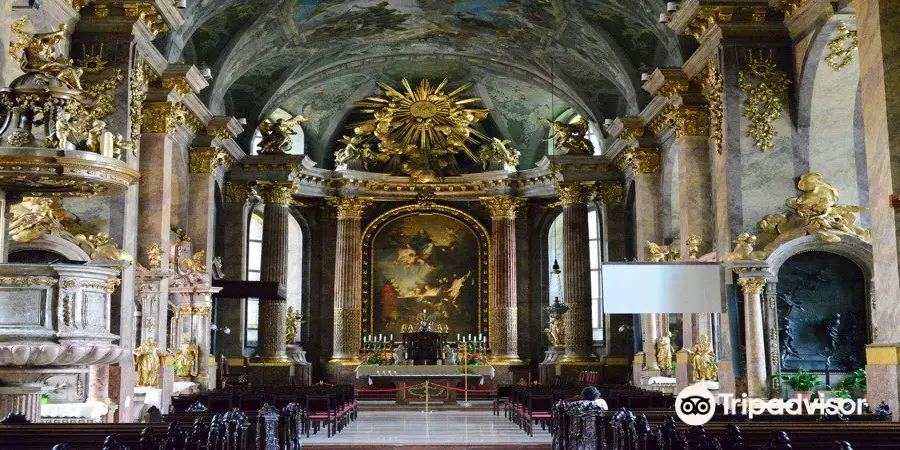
x,y
802,383
855,383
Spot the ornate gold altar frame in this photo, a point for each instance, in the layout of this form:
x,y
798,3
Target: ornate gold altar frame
x,y
372,230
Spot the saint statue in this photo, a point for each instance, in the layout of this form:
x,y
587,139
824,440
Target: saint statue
x,y
571,138
292,319
703,358
39,55
556,332
664,352
186,359
147,361
276,136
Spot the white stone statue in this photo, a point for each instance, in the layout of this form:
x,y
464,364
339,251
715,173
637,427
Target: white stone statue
x,y
400,354
450,356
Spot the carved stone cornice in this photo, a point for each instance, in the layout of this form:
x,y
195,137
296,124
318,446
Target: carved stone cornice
x,y
236,192
752,286
352,207
276,192
163,117
503,206
575,193
698,17
640,160
208,159
146,11
610,192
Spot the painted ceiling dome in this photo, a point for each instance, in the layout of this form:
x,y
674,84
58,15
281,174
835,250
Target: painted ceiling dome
x,y
527,59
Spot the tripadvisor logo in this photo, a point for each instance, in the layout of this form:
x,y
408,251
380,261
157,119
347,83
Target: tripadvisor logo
x,y
695,405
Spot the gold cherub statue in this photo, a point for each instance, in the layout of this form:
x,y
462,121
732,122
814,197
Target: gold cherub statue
x,y
147,361
196,263
703,358
556,332
186,359
664,352
571,138
276,136
39,54
292,319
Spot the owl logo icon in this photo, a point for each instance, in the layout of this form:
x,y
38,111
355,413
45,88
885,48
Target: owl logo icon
x,y
695,405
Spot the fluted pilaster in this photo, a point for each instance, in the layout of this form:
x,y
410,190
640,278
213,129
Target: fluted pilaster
x,y
503,337
25,399
348,278
576,277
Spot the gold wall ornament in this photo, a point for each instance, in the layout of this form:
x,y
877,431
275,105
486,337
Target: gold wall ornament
x,y
137,87
154,256
350,206
208,159
503,206
688,120
765,98
842,48
789,7
640,160
713,87
92,62
100,247
181,234
38,54
145,11
575,193
78,4
631,134
611,192
196,263
671,88
276,136
665,354
108,286
703,358
28,281
163,117
236,192
292,320
276,192
571,138
34,217
693,243
662,253
417,132
177,84
752,286
743,249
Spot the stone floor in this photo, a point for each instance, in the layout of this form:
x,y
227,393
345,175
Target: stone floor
x,y
441,429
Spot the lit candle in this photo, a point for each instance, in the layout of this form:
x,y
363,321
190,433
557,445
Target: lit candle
x,y
480,337
392,337
470,337
457,336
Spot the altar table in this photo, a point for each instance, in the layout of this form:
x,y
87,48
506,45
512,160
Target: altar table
x,y
402,376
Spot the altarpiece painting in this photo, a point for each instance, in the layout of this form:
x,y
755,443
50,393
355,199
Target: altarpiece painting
x,y
432,260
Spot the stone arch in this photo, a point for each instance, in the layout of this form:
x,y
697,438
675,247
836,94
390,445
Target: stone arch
x,y
48,246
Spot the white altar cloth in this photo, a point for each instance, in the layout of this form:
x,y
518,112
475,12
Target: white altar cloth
x,y
406,371
87,410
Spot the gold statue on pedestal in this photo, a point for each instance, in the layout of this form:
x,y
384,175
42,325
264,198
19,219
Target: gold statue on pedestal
x,y
664,352
186,359
276,136
39,54
703,358
291,321
147,359
556,332
571,138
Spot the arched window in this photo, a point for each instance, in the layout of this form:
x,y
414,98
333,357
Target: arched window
x,y
595,254
297,140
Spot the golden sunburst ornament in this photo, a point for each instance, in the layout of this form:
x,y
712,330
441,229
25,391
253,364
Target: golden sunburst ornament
x,y
418,132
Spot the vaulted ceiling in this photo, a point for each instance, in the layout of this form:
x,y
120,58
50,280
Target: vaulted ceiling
x,y
527,59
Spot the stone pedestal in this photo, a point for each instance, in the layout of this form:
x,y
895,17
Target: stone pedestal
x,y
302,368
549,369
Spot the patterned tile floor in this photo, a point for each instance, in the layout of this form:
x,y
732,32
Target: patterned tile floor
x,y
443,428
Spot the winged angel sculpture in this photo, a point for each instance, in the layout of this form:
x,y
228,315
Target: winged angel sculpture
x,y
276,136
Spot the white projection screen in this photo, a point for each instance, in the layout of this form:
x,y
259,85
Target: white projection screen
x,y
690,287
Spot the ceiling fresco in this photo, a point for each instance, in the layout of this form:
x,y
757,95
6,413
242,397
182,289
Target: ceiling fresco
x,y
312,56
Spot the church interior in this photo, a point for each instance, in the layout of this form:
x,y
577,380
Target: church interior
x,y
443,223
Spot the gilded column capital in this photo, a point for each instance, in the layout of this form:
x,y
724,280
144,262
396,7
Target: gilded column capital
x,y
163,117
688,120
610,192
575,193
640,160
752,286
276,192
237,192
177,84
145,10
350,206
208,159
503,206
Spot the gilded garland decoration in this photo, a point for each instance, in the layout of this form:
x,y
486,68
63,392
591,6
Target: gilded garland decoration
x,y
419,132
842,48
765,99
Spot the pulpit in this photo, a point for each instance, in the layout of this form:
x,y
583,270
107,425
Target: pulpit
x,y
424,347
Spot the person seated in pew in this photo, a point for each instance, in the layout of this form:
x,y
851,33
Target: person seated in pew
x,y
592,395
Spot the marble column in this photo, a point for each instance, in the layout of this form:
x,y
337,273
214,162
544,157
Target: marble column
x,y
879,54
276,224
205,164
641,167
348,278
773,342
503,337
576,277
232,312
98,390
753,336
